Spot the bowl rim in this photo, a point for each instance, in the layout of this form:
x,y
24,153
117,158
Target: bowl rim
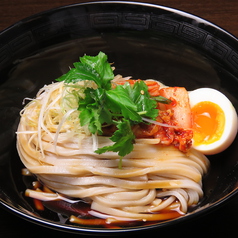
x,y
102,231
153,5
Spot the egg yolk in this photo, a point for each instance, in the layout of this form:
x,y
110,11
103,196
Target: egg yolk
x,y
208,123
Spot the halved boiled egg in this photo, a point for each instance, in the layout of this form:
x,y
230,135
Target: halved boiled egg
x,y
214,120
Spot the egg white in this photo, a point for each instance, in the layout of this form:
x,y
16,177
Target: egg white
x,y
231,122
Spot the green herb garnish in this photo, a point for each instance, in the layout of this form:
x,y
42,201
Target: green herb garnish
x,y
122,106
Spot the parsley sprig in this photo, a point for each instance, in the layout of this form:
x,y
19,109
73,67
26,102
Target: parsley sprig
x,y
122,106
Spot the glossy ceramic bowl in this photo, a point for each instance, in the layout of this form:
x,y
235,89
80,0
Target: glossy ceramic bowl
x,y
145,41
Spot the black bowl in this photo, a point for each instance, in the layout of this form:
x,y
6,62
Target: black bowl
x,y
145,41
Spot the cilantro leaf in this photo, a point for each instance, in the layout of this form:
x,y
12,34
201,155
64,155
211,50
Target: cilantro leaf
x,y
101,66
89,112
123,138
79,74
119,101
92,110
122,106
95,68
140,96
